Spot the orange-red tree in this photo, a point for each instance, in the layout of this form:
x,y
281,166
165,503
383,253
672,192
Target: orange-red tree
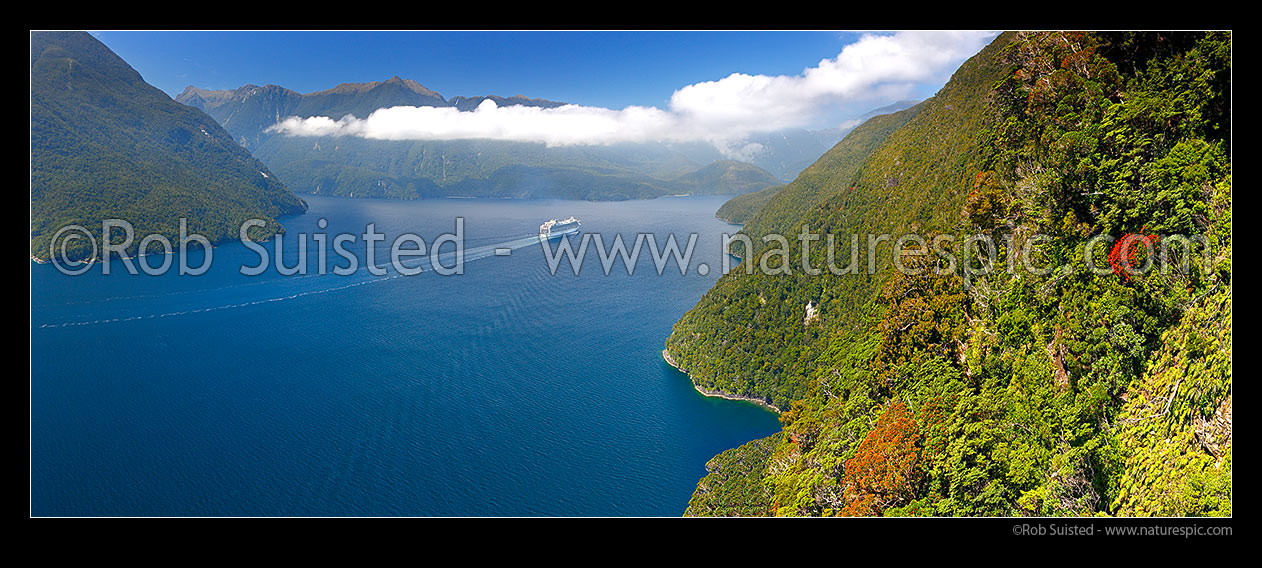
x,y
1125,256
883,472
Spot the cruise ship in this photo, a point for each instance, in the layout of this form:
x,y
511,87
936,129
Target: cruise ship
x,y
552,228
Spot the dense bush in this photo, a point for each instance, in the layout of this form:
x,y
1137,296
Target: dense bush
x,y
1065,392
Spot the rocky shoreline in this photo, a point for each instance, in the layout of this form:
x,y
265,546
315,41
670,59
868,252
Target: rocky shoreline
x,y
760,402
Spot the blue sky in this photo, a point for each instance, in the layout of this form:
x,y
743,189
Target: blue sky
x,y
606,69
716,87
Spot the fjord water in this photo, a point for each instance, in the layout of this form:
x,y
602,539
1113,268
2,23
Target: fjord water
x,y
503,391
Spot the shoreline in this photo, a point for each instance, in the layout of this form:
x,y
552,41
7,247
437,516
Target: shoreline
x,y
121,256
716,394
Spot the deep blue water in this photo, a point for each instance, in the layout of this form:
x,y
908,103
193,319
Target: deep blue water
x,y
502,391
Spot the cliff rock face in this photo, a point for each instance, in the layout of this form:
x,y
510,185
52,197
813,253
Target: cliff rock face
x,y
245,112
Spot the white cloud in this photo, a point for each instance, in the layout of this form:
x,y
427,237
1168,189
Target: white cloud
x,y
740,151
561,126
848,124
722,112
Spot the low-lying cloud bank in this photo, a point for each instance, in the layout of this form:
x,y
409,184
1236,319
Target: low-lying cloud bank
x,y
722,112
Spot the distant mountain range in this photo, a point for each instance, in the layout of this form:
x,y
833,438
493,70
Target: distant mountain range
x,y
106,144
247,111
352,166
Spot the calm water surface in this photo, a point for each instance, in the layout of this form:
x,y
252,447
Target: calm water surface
x,y
502,391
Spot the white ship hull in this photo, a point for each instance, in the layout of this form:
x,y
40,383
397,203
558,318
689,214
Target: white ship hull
x,y
554,229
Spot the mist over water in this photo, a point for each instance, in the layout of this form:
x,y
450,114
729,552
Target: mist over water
x,y
503,391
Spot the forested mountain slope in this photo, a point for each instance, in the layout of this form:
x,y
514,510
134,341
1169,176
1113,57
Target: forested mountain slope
x,y
1047,389
105,144
746,336
741,208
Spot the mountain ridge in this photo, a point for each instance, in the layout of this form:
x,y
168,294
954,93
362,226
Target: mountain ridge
x,y
336,102
106,144
249,111
416,169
